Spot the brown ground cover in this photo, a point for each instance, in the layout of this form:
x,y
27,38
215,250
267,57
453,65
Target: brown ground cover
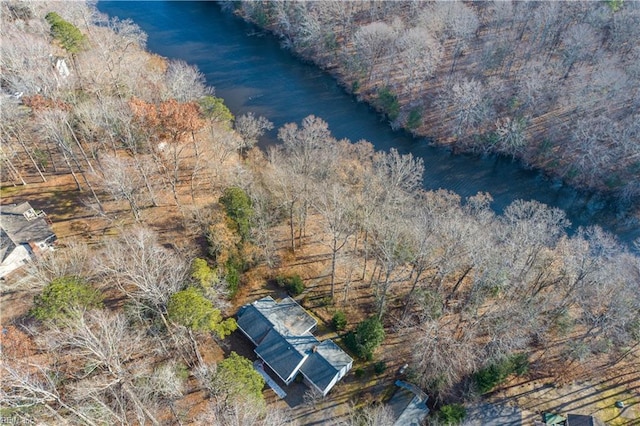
x,y
562,387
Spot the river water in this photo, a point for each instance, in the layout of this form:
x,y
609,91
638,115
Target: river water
x,y
252,73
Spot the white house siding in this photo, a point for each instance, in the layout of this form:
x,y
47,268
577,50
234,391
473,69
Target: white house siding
x,y
17,258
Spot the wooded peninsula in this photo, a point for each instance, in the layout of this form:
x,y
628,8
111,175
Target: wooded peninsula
x,y
171,225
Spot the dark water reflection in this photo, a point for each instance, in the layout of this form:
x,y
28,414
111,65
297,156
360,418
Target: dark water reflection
x,y
252,73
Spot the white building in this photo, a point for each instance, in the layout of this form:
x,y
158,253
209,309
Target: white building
x,y
24,233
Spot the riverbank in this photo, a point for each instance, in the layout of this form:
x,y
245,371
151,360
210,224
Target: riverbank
x,y
466,89
140,220
254,74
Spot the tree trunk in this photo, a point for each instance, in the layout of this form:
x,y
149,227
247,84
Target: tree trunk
x,y
383,296
292,229
75,178
418,272
86,181
334,253
195,348
33,161
145,178
84,155
457,285
366,254
130,392
133,206
16,174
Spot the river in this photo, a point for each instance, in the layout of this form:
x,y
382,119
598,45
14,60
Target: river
x,y
251,72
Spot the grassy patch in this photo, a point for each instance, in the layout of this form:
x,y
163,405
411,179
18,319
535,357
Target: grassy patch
x,y
10,191
613,415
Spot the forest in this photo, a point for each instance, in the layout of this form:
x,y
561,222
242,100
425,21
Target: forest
x,y
169,218
553,84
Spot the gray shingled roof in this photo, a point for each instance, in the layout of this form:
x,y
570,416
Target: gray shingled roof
x,y
281,332
287,316
284,355
322,365
253,323
408,405
16,229
21,230
582,420
6,245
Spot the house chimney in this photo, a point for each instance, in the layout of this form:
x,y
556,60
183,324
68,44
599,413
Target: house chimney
x,y
34,248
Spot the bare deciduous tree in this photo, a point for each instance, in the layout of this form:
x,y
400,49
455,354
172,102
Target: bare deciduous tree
x,y
106,343
184,82
143,270
337,218
121,179
372,42
250,129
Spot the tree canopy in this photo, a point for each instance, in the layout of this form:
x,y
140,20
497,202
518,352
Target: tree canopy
x,y
239,209
215,109
238,379
203,273
69,36
62,296
369,334
191,309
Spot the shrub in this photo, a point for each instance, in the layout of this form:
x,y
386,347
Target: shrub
x,y
489,377
326,301
359,373
379,367
452,414
234,267
496,373
182,371
232,276
293,284
367,337
239,209
62,297
633,328
520,364
415,119
339,321
389,103
431,302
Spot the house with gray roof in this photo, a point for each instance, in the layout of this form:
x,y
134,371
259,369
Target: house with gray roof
x,y
408,405
281,332
24,233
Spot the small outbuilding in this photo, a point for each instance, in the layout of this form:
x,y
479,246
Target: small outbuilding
x,y
408,405
583,420
553,419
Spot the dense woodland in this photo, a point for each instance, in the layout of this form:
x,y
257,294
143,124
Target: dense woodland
x,y
123,322
554,84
